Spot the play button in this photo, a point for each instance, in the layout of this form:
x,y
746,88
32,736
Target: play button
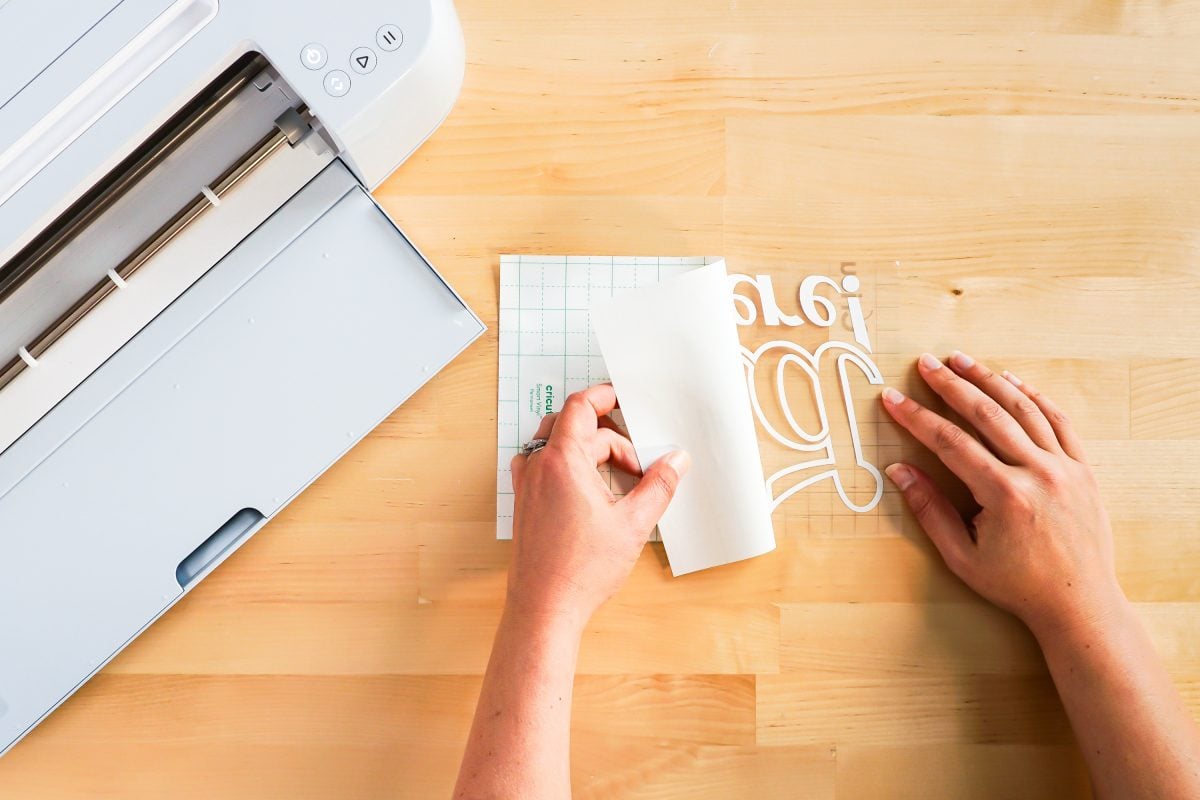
x,y
362,60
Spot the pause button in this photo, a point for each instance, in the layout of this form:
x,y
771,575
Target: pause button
x,y
389,38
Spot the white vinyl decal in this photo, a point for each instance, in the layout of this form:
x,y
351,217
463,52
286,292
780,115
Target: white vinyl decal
x,y
822,312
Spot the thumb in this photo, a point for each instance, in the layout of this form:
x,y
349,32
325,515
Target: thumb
x,y
938,518
647,501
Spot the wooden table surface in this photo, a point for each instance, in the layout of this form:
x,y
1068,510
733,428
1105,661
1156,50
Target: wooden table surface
x,y
1017,179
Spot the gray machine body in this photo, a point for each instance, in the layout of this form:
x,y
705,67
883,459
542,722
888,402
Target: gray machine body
x,y
204,426
263,342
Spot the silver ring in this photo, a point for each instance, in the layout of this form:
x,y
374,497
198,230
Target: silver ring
x,y
533,446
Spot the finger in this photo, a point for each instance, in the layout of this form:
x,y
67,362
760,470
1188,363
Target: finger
x,y
1021,408
611,424
546,426
937,517
581,412
967,458
517,467
610,446
1064,430
647,501
994,424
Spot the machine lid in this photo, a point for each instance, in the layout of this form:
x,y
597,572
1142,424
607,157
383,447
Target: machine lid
x,y
209,421
31,39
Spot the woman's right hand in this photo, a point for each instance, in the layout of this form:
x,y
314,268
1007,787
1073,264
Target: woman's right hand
x,y
1041,547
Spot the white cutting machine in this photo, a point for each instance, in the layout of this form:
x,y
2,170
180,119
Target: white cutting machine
x,y
201,307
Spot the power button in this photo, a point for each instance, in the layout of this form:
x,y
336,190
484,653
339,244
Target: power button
x,y
314,56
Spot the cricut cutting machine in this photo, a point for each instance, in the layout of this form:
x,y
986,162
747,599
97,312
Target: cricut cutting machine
x,y
201,306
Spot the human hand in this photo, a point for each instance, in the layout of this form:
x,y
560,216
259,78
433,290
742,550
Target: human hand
x,y
1041,547
574,544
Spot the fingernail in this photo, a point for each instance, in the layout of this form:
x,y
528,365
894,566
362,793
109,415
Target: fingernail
x,y
930,361
901,475
1013,379
962,360
678,460
892,397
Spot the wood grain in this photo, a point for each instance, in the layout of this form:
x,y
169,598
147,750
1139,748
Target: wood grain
x,y
1017,179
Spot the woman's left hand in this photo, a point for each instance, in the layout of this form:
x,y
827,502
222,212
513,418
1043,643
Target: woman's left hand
x,y
574,543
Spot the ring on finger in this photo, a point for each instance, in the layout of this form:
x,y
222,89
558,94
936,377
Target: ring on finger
x,y
534,445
